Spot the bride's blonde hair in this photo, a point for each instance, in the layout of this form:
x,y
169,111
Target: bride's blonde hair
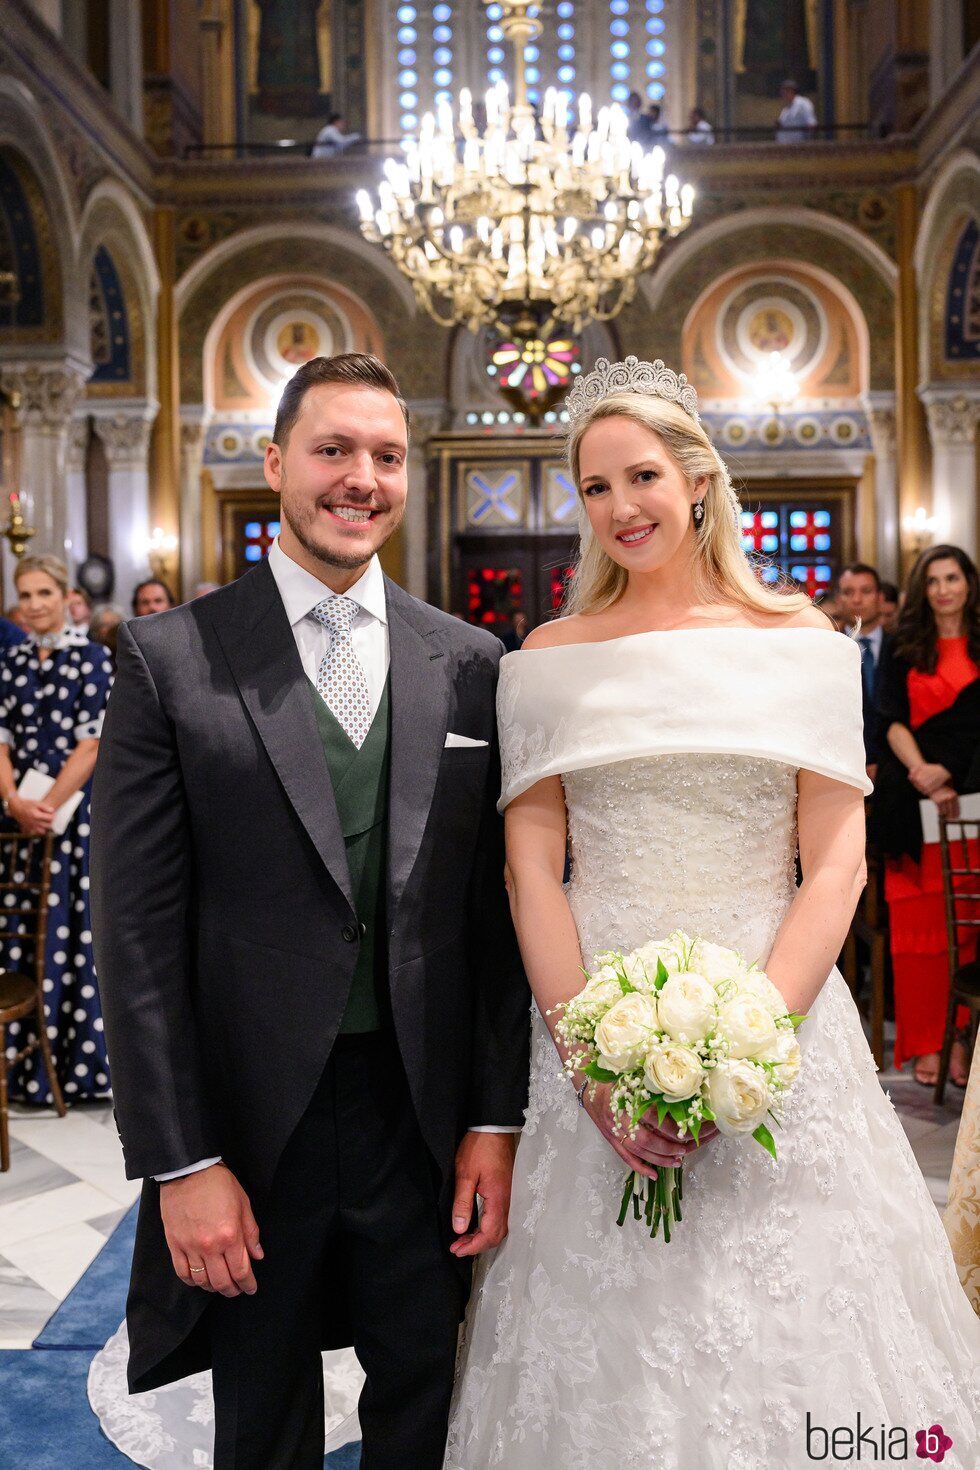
x,y
723,571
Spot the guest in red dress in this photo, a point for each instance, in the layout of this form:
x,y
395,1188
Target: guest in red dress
x,y
930,703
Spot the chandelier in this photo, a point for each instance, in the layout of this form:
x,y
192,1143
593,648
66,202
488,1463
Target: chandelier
x,y
530,225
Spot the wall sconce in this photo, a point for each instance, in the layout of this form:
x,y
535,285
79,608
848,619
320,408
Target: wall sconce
x,y
919,528
17,532
161,553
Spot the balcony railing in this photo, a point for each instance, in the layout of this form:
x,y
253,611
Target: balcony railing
x,y
367,147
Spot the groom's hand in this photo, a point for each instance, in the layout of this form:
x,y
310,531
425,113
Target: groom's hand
x,y
484,1167
209,1223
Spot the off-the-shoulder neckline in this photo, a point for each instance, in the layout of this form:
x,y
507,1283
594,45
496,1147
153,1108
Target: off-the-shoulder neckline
x,y
673,633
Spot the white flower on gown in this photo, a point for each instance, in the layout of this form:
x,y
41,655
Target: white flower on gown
x,y
822,1283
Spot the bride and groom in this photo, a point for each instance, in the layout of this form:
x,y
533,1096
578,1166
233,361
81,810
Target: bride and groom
x,y
318,1014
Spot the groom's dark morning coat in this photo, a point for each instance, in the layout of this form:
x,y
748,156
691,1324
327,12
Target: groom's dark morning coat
x,y
224,931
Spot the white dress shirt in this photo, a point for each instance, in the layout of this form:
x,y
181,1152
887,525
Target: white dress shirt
x,y
300,592
795,116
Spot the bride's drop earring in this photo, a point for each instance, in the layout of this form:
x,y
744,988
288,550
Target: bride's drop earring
x,y
698,512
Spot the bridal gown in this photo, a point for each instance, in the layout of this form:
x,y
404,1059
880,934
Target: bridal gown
x,y
821,1284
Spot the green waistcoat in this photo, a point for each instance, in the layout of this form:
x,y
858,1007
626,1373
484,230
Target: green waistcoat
x,y
360,786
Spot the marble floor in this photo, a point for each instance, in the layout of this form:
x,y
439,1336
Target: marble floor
x,y
66,1191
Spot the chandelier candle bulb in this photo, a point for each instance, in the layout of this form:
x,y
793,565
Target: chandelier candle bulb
x,y
687,200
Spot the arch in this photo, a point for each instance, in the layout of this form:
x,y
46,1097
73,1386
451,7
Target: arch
x,y
346,240
414,347
952,207
830,285
28,143
353,327
836,253
112,222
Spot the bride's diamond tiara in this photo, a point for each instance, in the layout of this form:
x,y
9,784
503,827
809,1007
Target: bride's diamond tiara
x,y
631,376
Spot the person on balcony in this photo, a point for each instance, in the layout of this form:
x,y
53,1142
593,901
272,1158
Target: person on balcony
x,y
797,123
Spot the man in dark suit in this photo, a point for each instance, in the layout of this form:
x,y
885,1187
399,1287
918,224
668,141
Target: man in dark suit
x,y
313,997
860,598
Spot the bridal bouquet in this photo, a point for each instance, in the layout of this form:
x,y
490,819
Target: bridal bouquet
x,y
686,1027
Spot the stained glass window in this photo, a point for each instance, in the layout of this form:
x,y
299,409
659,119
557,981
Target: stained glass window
x,y
257,538
535,367
494,595
796,540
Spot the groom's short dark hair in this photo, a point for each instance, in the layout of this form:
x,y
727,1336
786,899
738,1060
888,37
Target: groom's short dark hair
x,y
358,368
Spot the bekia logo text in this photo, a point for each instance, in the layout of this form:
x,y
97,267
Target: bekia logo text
x,y
870,1443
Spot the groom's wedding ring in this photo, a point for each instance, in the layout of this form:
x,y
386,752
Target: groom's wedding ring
x,y
198,1270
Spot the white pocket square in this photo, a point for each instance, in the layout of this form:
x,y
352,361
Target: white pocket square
x,y
457,741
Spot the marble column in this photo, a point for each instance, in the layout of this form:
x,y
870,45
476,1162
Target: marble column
x,y
428,417
953,413
76,483
193,429
880,409
125,436
45,395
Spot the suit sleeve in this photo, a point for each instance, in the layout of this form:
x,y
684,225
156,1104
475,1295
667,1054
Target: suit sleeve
x,y
141,889
501,1047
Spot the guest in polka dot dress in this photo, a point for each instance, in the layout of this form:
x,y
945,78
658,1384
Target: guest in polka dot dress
x,y
53,693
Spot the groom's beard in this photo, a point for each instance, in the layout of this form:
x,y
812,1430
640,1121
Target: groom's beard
x,y
303,526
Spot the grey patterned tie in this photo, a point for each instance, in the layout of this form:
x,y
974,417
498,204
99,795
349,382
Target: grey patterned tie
x,y
340,678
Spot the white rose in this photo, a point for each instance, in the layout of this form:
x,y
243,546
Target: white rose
x,y
668,951
624,1033
718,964
757,983
601,992
786,1055
674,1070
739,1096
686,1006
747,1025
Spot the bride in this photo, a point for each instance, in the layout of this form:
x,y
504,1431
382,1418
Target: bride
x,y
689,731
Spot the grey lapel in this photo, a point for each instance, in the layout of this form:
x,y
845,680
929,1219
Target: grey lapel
x,y
263,657
419,720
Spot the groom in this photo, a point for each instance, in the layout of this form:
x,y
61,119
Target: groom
x,y
314,1001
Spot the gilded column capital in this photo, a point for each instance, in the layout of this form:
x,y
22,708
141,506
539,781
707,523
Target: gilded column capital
x,y
125,435
953,416
43,395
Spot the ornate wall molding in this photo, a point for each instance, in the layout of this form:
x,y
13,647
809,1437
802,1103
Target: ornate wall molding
x,y
45,396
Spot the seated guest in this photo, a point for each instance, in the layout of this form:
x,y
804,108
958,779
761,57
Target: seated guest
x,y
930,708
859,596
53,693
332,139
891,606
657,129
104,629
79,609
152,596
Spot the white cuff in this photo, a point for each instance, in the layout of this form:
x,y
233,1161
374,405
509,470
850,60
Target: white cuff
x,y
191,1169
492,1128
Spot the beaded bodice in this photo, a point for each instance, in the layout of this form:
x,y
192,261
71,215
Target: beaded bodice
x,y
706,844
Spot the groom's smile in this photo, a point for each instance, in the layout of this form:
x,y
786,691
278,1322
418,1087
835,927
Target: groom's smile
x,y
341,477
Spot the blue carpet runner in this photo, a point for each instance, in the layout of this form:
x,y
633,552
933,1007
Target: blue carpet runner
x,y
46,1422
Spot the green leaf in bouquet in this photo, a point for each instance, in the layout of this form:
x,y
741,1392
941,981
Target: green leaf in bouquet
x,y
641,1110
625,984
599,1074
662,1110
678,1111
797,1018
663,974
707,1116
763,1136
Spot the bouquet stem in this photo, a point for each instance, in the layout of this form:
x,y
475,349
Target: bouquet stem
x,y
657,1201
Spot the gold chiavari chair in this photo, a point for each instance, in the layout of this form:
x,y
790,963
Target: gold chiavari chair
x,y
961,892
25,876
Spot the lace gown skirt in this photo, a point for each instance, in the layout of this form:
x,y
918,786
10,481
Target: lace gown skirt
x,y
820,1285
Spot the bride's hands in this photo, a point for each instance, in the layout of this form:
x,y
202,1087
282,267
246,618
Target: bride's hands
x,y
651,1147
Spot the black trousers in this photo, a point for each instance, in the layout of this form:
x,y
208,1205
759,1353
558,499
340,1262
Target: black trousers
x,y
351,1227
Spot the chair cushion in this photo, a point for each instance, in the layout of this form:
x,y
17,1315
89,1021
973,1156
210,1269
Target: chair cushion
x,y
17,994
967,980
